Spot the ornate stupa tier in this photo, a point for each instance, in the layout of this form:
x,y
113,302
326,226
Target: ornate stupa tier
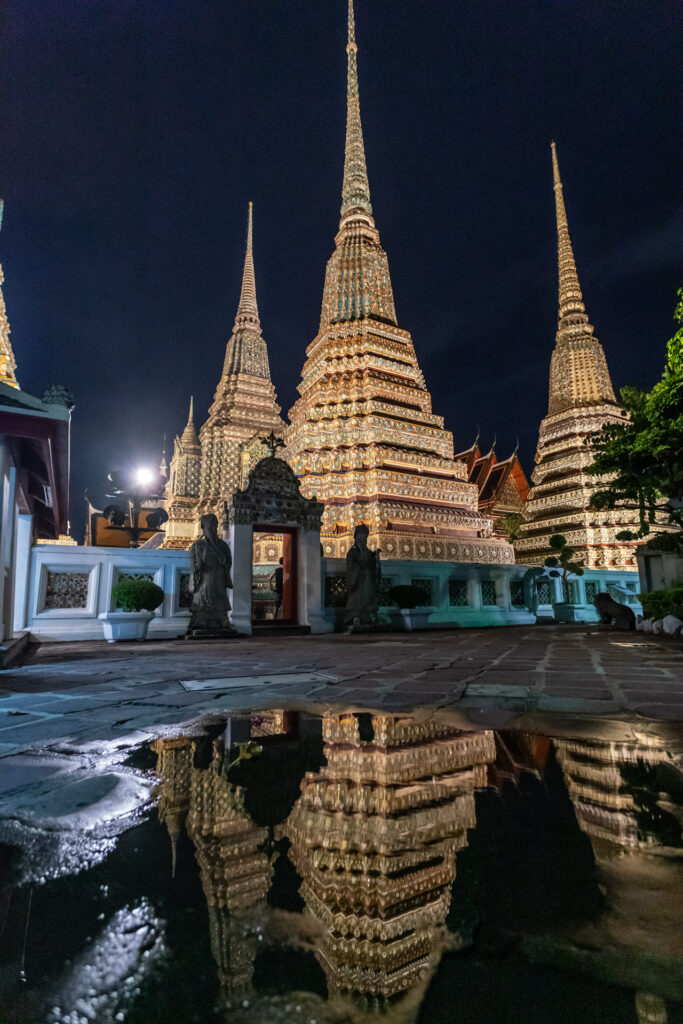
x,y
581,401
363,438
8,364
374,835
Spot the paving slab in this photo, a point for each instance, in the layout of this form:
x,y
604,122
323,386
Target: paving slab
x,y
94,690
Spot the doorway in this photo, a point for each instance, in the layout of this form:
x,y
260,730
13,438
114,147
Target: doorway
x,y
274,577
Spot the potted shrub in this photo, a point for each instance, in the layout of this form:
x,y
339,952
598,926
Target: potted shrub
x,y
412,611
136,600
561,565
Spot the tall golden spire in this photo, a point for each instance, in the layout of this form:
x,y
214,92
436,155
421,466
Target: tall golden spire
x,y
8,364
579,375
570,297
247,310
246,351
355,188
580,402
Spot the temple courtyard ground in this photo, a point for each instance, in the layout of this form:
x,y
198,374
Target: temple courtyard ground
x,y
561,678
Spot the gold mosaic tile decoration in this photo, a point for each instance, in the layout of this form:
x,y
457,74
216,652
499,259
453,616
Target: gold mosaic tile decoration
x,y
8,364
581,401
375,836
363,437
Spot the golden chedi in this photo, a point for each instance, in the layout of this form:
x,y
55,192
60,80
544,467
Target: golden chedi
x,y
207,467
363,437
581,402
8,364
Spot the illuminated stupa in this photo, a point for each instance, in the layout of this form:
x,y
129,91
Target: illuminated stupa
x,y
8,364
209,465
363,437
374,837
581,402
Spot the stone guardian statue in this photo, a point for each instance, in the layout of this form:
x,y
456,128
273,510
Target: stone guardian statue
x,y
211,562
363,574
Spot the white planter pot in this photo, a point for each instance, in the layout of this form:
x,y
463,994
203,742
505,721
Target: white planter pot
x,y
125,625
408,619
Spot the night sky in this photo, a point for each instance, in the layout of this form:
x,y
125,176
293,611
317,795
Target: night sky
x,y
133,133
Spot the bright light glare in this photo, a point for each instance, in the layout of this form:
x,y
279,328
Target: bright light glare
x,y
144,476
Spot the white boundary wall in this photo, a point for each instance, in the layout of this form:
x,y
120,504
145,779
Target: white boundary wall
x,y
60,590
491,592
85,576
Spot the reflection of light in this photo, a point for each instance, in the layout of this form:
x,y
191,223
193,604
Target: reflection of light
x,y
144,476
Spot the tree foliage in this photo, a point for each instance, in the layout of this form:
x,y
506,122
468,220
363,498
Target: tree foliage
x,y
644,456
561,562
511,524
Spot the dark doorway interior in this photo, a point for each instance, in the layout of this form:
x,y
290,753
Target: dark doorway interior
x,y
273,581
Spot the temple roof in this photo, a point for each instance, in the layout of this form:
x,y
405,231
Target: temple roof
x,y
491,474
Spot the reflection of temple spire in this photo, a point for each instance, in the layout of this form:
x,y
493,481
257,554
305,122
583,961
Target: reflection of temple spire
x,y
174,766
374,836
235,871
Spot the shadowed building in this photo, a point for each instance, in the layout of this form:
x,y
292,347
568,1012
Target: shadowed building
x,y
34,486
581,402
363,437
207,467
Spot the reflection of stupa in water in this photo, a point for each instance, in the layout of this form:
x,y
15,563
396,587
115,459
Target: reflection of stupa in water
x,y
374,836
614,787
628,797
235,871
174,765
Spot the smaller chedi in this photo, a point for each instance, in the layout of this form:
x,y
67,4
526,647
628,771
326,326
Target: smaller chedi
x,y
581,402
210,464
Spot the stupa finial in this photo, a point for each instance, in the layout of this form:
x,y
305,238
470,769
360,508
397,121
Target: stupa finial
x,y
355,188
247,310
570,297
190,436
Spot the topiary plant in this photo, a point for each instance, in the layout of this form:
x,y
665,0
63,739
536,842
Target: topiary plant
x,y
561,564
408,596
136,595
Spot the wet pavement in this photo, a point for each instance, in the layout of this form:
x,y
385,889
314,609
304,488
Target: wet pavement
x,y
346,867
78,693
481,827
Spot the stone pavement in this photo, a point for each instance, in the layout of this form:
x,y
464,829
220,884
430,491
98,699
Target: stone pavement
x,y
75,694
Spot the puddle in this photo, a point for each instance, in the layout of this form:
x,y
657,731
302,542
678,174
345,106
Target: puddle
x,y
348,867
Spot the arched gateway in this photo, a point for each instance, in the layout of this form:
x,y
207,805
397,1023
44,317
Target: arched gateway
x,y
272,506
